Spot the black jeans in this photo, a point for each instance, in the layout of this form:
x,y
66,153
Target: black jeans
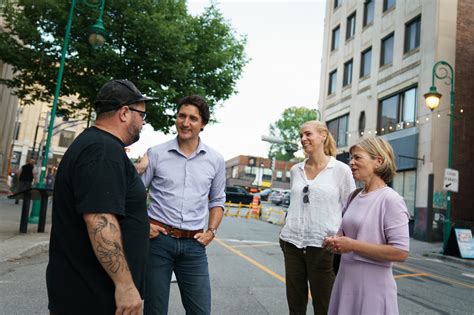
x,y
313,264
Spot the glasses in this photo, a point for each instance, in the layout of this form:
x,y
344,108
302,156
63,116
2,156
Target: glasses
x,y
306,194
142,113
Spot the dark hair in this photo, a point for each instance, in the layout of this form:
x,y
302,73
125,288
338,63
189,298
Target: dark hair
x,y
199,102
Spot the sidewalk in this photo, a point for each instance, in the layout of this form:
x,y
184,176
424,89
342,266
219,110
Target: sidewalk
x,y
14,245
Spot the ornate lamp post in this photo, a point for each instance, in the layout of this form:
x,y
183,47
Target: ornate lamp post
x,y
442,71
96,39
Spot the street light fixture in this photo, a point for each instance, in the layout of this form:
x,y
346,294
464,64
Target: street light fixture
x,y
442,71
96,39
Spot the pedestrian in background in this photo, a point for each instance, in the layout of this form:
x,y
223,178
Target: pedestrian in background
x,y
26,176
187,182
374,233
99,236
320,186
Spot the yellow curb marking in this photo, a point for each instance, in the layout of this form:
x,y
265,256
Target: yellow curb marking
x,y
462,284
412,275
250,260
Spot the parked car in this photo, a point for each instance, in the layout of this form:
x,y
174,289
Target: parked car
x,y
236,194
286,199
264,194
277,196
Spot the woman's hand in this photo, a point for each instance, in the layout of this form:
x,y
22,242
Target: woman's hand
x,y
339,244
142,164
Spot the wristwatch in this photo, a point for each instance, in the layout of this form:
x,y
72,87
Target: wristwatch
x,y
213,231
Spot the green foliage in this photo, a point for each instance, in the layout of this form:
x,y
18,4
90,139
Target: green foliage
x,y
165,51
287,128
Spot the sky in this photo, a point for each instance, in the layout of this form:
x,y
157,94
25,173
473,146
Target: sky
x,y
284,45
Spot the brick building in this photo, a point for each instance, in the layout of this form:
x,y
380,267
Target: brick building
x,y
250,171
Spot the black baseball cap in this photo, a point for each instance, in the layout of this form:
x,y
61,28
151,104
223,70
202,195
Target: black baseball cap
x,y
118,93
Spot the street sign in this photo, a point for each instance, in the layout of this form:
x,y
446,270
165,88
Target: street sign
x,y
451,180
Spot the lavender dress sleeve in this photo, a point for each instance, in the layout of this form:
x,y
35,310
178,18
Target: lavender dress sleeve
x,y
395,223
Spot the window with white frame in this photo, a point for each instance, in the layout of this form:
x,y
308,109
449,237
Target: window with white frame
x,y
398,111
386,52
332,82
351,26
338,129
368,12
347,79
336,33
404,183
366,62
412,34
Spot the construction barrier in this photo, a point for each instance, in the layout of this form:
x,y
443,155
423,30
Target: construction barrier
x,y
255,211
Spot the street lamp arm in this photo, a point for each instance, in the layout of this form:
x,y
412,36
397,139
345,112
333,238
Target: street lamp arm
x,y
440,72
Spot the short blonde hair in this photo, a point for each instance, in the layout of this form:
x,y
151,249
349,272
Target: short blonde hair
x,y
378,147
329,143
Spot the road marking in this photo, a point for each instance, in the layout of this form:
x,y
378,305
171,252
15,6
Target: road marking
x,y
249,241
470,275
250,260
434,259
412,275
460,283
254,245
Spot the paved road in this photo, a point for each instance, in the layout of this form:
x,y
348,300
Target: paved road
x,y
247,271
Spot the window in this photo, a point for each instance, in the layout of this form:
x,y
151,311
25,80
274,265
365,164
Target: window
x,y
386,53
335,38
287,176
397,111
66,138
351,26
412,34
249,171
338,129
279,175
235,172
388,4
365,62
267,174
337,3
361,123
405,184
17,129
347,79
332,82
368,12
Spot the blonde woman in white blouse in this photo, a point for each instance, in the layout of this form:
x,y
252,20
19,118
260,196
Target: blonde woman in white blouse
x,y
320,187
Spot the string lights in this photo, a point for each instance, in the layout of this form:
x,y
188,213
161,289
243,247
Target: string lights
x,y
419,121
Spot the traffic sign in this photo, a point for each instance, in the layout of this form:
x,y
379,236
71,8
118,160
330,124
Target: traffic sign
x,y
451,180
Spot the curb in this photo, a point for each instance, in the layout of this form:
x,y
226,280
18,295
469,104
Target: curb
x,y
34,250
457,260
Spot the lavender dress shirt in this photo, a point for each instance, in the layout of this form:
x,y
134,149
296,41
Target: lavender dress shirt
x,y
183,189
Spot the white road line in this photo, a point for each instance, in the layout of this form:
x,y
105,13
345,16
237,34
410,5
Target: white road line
x,y
469,275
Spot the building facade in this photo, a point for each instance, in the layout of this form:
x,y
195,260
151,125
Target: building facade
x,y
377,64
8,113
31,132
258,172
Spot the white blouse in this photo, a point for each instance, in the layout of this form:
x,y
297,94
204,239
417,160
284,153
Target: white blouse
x,y
307,224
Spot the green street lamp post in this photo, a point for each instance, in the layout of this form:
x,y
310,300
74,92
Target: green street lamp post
x,y
442,71
96,40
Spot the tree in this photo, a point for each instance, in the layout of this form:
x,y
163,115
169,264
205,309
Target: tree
x,y
287,128
165,51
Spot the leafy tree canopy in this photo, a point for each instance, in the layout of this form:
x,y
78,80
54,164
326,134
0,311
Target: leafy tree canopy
x,y
287,128
165,51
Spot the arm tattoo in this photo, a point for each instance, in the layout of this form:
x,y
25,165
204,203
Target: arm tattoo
x,y
109,251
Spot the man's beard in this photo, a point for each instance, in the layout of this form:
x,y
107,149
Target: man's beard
x,y
134,133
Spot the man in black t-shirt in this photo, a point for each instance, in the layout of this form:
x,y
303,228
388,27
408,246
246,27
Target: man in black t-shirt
x,y
99,235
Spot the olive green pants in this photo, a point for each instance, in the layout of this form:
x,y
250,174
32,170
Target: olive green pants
x,y
313,265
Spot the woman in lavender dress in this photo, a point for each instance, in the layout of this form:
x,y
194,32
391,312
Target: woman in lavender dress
x,y
373,234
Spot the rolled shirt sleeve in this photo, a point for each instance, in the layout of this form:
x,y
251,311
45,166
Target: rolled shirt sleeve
x,y
395,223
217,190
